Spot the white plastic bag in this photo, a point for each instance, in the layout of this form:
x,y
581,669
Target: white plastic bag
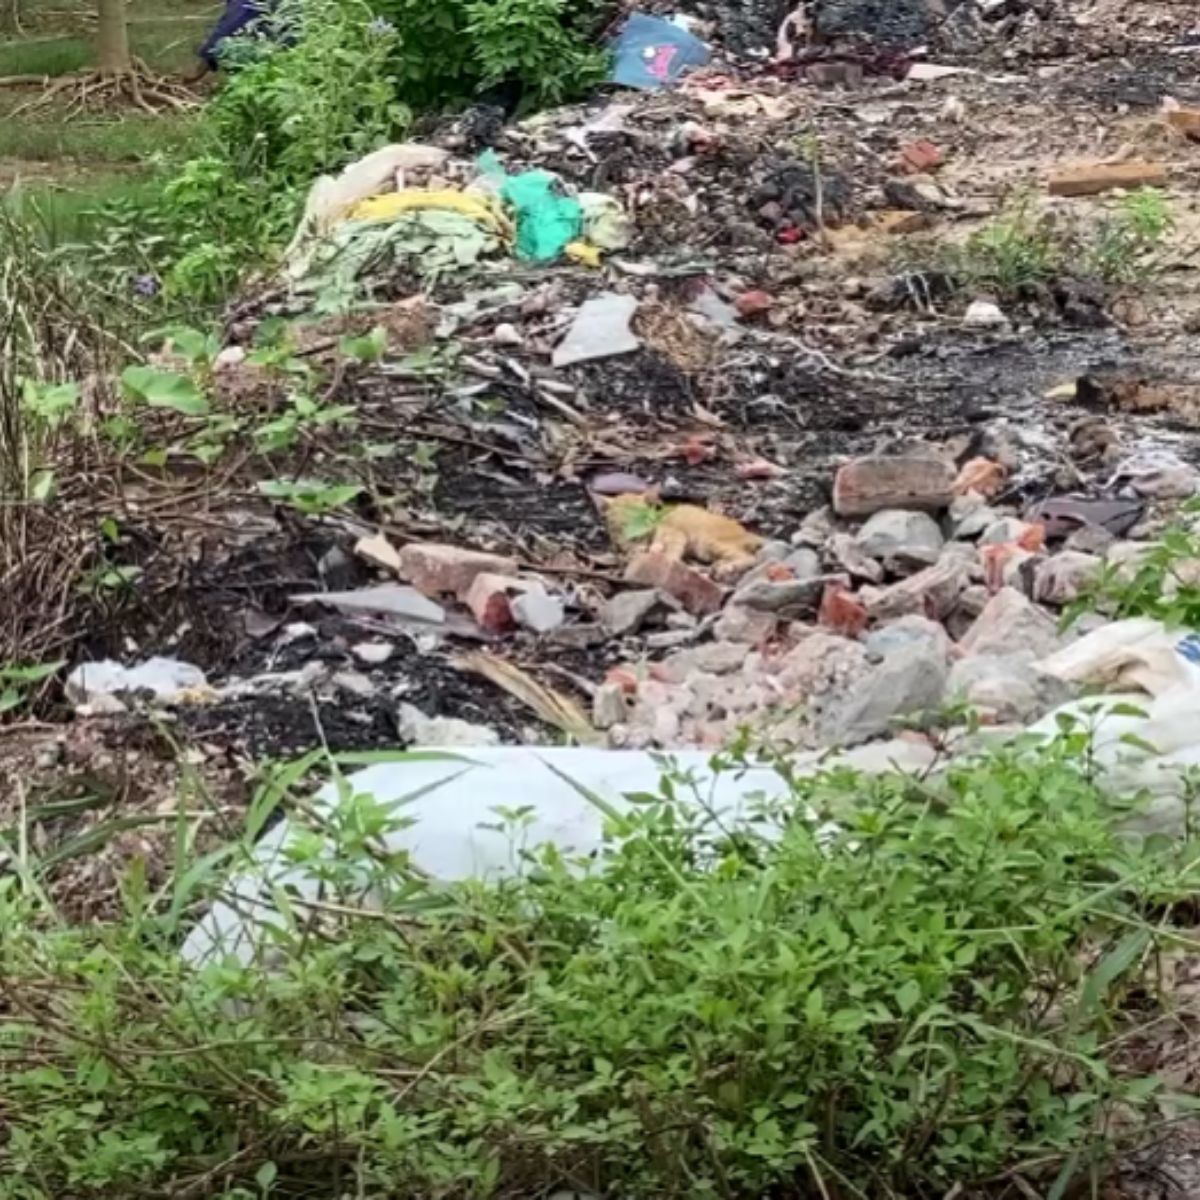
x,y
1139,653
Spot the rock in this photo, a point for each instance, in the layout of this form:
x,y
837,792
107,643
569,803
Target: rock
x,y
1008,566
1159,474
490,600
1003,531
852,560
908,631
168,680
841,611
932,592
354,683
816,529
910,680
627,612
1090,539
900,537
970,516
389,600
753,303
793,597
922,481
379,552
373,654
1063,578
745,626
773,552
537,610
984,314
1090,178
920,156
1009,623
713,658
803,562
337,569
696,592
416,729
609,706
440,569
821,663
1007,688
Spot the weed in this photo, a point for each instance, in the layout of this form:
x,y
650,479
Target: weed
x,y
1122,249
1162,582
879,987
313,497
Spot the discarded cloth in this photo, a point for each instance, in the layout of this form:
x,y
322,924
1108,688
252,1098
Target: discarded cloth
x,y
547,221
395,204
650,53
453,833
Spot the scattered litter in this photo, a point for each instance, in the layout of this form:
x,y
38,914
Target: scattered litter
x,y
1161,474
389,599
547,220
650,53
601,329
98,685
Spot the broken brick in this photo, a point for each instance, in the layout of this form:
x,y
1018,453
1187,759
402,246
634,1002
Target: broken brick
x,y
1093,178
750,304
908,481
982,476
489,602
436,568
698,594
842,611
920,156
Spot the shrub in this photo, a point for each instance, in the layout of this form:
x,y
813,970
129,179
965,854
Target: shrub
x,y
909,1002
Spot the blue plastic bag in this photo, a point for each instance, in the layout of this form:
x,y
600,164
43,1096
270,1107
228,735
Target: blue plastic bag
x,y
651,53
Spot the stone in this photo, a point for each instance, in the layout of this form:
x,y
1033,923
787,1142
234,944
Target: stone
x,y
793,597
970,516
821,662
1010,622
910,680
1089,179
908,631
932,592
609,706
696,592
773,552
852,560
803,562
816,528
984,314
713,658
1065,577
416,729
745,626
627,612
490,600
753,303
1159,474
920,156
841,611
923,481
388,600
1006,688
538,611
1090,539
1006,529
379,552
437,568
354,683
901,537
373,654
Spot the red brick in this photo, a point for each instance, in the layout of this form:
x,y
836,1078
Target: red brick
x,y
841,611
1091,178
867,485
436,568
750,304
920,156
696,592
488,600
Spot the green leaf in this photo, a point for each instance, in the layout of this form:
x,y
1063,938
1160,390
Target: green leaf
x,y
266,1175
1112,966
164,389
907,996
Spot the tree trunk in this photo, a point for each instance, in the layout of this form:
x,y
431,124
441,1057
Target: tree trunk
x,y
112,39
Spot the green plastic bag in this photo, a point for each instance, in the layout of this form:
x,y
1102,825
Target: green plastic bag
x,y
546,221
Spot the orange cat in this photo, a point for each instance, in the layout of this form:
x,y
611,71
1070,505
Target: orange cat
x,y
679,531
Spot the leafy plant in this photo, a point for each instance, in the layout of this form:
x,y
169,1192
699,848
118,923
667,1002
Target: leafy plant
x,y
17,683
164,389
640,519
311,496
1019,249
1162,582
877,986
1122,247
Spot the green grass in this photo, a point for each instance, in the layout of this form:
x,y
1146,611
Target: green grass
x,y
132,139
44,56
66,214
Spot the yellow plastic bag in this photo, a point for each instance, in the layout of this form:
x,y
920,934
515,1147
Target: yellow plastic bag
x,y
396,204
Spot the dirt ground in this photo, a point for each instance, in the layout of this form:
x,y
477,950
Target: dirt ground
x,y
855,345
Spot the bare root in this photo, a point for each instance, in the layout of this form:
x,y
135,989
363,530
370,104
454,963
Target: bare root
x,y
139,87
